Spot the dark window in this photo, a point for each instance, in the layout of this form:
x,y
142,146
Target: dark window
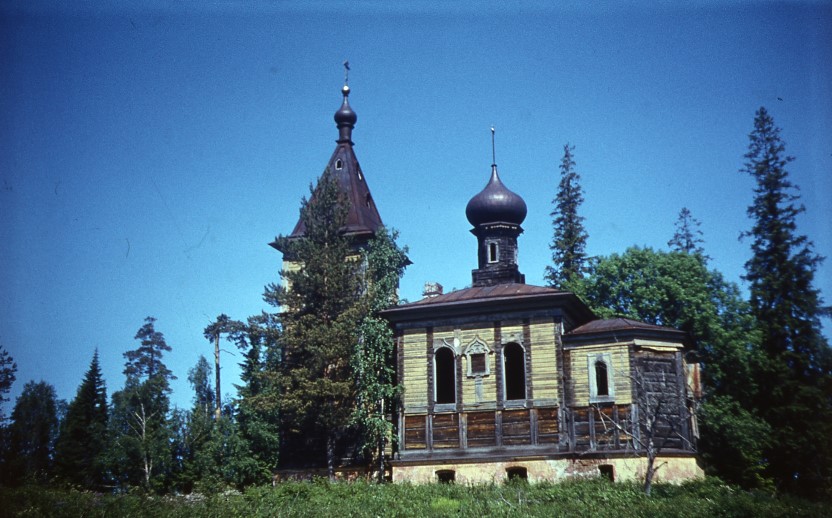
x,y
515,371
478,363
369,200
517,472
602,384
607,471
492,253
445,376
339,164
445,476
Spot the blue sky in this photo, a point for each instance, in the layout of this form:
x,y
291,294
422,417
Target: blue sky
x,y
151,151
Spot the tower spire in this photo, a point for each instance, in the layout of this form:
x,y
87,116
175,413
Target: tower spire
x,y
493,148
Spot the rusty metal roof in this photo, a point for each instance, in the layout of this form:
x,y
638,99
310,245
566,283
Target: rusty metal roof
x,y
486,292
481,300
617,324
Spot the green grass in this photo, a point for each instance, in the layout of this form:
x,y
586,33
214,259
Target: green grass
x,y
596,498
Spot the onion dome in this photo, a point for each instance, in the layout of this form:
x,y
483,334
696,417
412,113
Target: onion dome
x,y
496,203
345,118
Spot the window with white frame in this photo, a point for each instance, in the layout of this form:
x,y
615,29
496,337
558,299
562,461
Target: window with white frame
x,y
601,379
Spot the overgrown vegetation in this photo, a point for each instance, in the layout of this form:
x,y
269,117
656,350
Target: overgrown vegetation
x,y
596,498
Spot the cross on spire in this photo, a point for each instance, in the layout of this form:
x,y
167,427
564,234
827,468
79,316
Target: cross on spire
x,y
346,72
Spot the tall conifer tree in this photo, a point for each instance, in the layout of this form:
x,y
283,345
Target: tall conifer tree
x,y
320,320
79,452
798,370
687,238
140,430
569,241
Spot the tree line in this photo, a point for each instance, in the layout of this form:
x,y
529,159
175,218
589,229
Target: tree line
x,y
318,381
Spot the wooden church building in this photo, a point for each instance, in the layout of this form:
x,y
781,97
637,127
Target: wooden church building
x,y
506,379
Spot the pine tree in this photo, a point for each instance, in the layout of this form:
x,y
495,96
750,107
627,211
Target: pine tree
x,y
373,357
223,325
319,331
140,449
569,241
79,452
688,237
788,308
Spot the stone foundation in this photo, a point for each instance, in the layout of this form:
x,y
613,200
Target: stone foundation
x,y
673,469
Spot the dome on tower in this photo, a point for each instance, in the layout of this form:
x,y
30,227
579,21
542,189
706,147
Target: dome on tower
x,y
496,203
345,115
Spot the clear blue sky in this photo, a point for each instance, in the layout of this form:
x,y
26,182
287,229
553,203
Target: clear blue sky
x,y
148,154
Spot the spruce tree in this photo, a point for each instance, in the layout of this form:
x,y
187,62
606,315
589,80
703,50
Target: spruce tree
x,y
798,371
569,241
687,237
319,331
79,452
257,416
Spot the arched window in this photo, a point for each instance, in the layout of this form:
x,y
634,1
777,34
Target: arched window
x,y
602,382
514,367
445,379
339,164
601,378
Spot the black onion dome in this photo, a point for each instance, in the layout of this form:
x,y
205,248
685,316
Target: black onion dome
x,y
496,203
345,115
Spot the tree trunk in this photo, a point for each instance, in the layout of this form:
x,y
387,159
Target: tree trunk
x,y
651,470
330,455
218,410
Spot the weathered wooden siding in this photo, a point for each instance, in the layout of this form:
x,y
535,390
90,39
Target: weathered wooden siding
x,y
482,429
415,364
415,432
620,366
544,360
445,431
485,333
516,428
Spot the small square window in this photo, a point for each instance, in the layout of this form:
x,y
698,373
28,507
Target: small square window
x,y
478,364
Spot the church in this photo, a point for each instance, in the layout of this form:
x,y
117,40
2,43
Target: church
x,y
505,379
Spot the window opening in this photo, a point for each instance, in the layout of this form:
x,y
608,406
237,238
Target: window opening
x,y
339,164
601,380
517,472
445,376
368,200
493,255
607,471
514,367
478,364
446,476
